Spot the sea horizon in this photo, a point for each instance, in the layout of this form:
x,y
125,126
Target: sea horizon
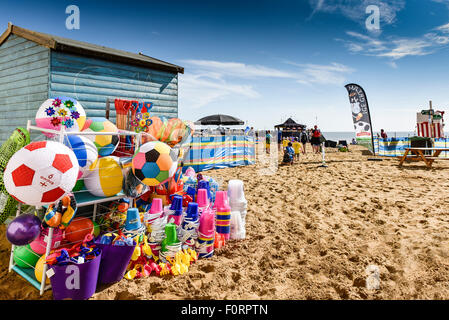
x,y
348,135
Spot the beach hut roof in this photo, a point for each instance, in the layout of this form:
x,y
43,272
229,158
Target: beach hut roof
x,y
87,49
290,124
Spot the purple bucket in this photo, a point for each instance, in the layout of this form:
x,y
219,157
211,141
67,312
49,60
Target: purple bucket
x,y
75,281
114,261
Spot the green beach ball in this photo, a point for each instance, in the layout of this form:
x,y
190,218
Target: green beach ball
x,y
24,257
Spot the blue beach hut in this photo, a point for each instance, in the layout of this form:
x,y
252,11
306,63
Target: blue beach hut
x,y
35,66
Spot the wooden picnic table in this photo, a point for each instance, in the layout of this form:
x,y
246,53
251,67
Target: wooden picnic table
x,y
417,154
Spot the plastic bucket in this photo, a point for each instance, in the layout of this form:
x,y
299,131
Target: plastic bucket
x,y
75,281
114,261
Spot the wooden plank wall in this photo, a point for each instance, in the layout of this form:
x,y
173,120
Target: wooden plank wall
x,y
91,81
24,72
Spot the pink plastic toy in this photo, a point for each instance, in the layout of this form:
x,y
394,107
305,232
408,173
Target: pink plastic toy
x,y
206,234
39,245
223,214
202,200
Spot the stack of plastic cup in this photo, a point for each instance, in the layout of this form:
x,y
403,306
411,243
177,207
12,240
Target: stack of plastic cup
x,y
237,230
237,201
133,225
188,233
202,200
223,218
157,221
174,213
191,192
155,212
204,184
206,234
170,245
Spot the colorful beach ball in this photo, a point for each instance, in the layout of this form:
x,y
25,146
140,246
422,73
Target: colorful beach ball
x,y
39,269
85,151
41,173
154,163
105,177
25,257
106,144
60,111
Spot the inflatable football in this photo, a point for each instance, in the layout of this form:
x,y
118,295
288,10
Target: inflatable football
x,y
154,163
106,144
41,173
60,111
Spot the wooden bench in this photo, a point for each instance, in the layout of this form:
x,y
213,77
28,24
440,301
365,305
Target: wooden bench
x,y
417,154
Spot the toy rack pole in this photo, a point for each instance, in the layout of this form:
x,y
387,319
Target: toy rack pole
x,y
94,214
45,267
50,233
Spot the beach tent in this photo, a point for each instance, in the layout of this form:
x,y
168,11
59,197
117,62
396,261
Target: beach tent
x,y
290,124
219,119
290,128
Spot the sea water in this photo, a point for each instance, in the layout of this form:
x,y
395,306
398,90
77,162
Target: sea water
x,y
349,135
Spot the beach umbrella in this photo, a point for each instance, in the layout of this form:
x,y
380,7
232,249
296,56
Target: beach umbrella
x,y
220,119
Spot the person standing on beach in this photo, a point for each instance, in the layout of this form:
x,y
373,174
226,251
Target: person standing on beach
x,y
279,139
268,140
285,142
315,140
383,134
303,138
297,147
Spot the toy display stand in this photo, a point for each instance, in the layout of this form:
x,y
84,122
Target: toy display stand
x,y
82,198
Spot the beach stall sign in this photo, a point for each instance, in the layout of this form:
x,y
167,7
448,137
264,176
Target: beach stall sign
x,y
361,116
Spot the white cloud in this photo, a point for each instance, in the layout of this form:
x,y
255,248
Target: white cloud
x,y
209,81
444,28
446,2
196,91
237,69
392,64
333,74
407,47
355,9
396,48
367,44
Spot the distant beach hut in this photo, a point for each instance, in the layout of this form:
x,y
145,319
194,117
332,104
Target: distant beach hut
x,y
35,66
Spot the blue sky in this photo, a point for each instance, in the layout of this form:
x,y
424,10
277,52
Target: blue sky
x,y
264,61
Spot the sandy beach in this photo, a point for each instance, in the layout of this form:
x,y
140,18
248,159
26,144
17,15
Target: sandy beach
x,y
311,234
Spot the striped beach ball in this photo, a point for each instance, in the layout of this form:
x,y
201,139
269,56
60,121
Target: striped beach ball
x,y
106,144
85,151
60,111
105,177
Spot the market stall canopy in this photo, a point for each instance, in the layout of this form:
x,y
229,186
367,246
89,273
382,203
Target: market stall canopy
x,y
290,124
220,119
